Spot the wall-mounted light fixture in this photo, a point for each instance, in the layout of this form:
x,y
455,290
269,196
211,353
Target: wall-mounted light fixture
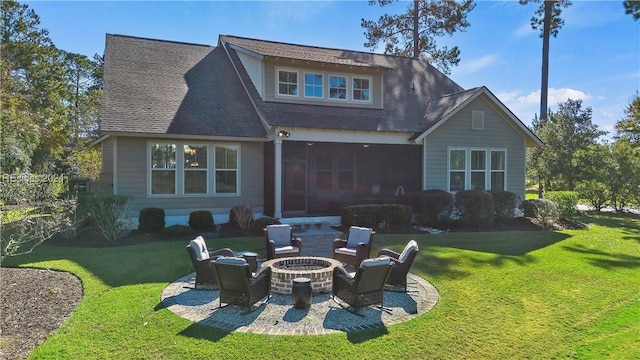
x,y
309,144
365,145
283,134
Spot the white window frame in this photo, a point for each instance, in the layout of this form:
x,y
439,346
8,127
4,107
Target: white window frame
x,y
278,70
216,169
477,120
468,171
179,169
197,169
353,89
304,86
346,87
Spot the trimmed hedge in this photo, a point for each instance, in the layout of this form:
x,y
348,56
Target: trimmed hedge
x,y
475,207
543,210
566,201
201,219
434,207
506,204
151,220
258,225
373,215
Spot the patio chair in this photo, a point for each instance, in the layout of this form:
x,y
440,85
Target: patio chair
x,y
202,259
356,248
364,288
280,241
238,286
401,264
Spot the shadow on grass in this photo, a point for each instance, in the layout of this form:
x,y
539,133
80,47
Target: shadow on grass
x,y
627,223
203,332
357,337
605,260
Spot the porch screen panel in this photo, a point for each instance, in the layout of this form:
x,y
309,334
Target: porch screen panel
x,y
324,170
457,167
226,169
346,174
163,168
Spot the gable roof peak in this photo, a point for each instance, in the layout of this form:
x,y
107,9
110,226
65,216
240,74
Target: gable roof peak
x,y
157,40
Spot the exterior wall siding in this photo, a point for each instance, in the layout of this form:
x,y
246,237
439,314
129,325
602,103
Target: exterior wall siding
x,y
254,69
457,132
270,85
133,179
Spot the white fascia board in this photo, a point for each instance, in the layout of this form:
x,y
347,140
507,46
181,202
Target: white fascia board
x,y
189,137
344,136
100,140
245,51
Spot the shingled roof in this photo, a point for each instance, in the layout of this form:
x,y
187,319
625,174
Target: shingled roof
x,y
165,87
410,85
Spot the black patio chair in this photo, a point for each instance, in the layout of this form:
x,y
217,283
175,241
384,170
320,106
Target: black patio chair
x,y
401,264
356,248
365,288
280,241
238,286
202,260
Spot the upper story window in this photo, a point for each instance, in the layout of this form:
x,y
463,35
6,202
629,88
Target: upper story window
x,y
313,85
338,87
287,83
361,89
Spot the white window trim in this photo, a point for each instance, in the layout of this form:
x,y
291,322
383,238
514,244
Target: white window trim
x,y
370,79
277,82
477,115
347,87
185,169
304,85
215,169
468,171
180,169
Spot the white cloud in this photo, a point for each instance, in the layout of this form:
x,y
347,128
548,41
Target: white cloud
x,y
524,30
526,106
477,64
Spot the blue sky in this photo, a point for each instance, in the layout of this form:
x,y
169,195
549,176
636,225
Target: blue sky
x,y
596,56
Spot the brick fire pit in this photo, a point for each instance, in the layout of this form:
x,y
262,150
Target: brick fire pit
x,y
318,269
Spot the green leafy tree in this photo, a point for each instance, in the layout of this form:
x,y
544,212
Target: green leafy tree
x,y
624,176
594,164
547,19
566,132
629,128
414,32
632,7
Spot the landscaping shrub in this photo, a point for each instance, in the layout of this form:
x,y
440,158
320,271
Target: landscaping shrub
x,y
595,192
475,207
434,207
542,210
258,225
376,215
110,214
506,204
201,219
151,220
566,202
241,216
176,231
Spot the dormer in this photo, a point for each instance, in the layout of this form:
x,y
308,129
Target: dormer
x,y
291,73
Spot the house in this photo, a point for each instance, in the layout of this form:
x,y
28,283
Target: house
x,y
295,131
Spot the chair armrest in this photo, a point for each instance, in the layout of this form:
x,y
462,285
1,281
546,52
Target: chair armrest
x,y
221,252
338,243
342,273
297,242
390,253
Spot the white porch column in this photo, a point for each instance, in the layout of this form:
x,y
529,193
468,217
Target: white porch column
x,y
277,191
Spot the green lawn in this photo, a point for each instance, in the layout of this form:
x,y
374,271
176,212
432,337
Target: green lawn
x,y
504,295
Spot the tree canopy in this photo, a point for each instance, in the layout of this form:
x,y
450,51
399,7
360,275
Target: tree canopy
x,y
418,28
628,128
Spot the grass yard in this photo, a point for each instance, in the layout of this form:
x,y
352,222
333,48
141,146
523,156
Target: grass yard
x,y
504,295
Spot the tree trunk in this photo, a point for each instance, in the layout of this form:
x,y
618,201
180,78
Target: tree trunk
x,y
416,47
544,90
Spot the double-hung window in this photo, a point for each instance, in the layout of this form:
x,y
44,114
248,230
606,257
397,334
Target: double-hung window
x,y
287,83
361,89
226,159
338,87
483,169
182,168
195,169
313,85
